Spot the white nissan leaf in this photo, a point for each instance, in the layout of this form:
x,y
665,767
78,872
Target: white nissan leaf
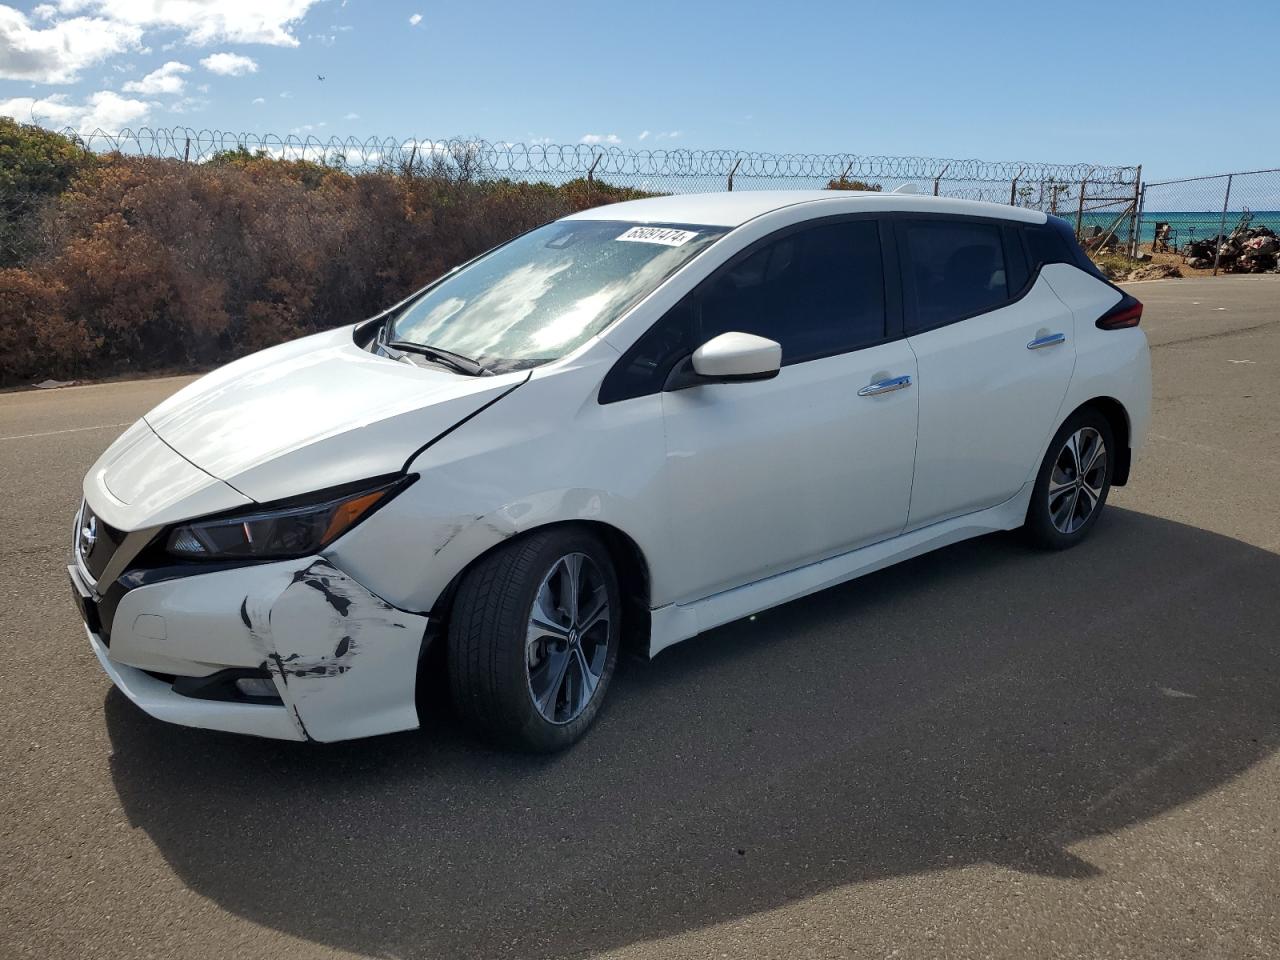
x,y
627,426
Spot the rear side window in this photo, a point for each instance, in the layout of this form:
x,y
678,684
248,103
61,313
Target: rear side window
x,y
817,291
951,269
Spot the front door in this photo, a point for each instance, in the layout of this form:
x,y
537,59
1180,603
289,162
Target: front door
x,y
769,475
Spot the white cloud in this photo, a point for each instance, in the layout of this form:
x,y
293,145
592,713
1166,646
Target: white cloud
x,y
595,138
538,141
57,53
166,79
415,20
229,64
205,21
187,105
286,95
352,116
644,135
669,135
259,100
103,110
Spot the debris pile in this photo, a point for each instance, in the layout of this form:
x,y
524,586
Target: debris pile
x,y
1247,250
1154,271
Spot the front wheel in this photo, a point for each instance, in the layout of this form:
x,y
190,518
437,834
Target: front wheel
x,y
1073,482
533,639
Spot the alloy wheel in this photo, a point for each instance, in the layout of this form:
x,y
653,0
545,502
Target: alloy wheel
x,y
1076,481
567,642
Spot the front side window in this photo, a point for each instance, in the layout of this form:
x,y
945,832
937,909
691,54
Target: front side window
x,y
817,291
545,293
952,269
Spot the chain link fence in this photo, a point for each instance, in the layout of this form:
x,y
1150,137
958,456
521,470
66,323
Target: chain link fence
x,y
1080,192
1224,223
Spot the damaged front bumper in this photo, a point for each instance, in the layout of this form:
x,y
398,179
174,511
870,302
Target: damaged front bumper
x,y
343,662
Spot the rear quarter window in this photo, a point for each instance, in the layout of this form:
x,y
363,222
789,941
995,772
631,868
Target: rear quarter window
x,y
1054,241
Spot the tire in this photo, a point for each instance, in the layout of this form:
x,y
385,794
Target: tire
x,y
522,672
1063,510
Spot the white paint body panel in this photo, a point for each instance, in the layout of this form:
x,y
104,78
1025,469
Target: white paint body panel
x,y
319,408
737,496
988,405
677,622
763,476
343,660
140,481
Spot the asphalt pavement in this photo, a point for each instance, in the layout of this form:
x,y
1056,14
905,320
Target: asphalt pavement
x,y
984,752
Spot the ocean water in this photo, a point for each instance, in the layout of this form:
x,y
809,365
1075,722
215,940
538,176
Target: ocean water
x,y
1186,225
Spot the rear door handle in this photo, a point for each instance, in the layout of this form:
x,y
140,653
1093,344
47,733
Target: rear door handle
x,y
884,386
1048,340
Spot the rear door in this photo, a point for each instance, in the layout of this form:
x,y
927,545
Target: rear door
x,y
995,349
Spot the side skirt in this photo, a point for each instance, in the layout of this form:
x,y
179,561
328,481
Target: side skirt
x,y
680,621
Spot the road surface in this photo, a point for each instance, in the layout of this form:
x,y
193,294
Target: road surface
x,y
983,752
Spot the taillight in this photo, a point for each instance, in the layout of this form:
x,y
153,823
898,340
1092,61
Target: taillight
x,y
1126,313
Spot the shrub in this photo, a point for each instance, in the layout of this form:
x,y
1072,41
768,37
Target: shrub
x,y
841,183
35,165
151,264
37,340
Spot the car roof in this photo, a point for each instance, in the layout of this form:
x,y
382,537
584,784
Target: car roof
x,y
731,209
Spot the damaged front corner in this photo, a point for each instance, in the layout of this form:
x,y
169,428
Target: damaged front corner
x,y
346,658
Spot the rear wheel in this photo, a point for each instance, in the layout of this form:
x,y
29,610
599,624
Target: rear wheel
x,y
1073,482
533,639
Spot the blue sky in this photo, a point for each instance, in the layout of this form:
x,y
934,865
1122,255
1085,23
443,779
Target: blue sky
x,y
1174,86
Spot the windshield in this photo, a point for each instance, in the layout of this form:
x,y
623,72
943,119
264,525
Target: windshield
x,y
545,293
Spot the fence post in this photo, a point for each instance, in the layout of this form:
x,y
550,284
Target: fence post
x,y
1222,227
732,172
1080,212
938,179
591,175
1138,196
1013,187
1137,222
186,152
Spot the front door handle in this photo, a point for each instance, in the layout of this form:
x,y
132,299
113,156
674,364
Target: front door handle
x,y
1048,340
884,386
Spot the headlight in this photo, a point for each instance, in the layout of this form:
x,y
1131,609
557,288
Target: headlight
x,y
288,529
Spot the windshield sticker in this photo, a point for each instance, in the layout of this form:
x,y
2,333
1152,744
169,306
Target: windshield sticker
x,y
663,235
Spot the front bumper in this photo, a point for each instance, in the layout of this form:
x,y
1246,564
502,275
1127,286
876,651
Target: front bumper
x,y
342,660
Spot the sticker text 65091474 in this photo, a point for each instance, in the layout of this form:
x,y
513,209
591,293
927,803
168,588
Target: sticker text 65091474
x,y
666,236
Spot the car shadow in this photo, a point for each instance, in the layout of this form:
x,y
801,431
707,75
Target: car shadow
x,y
985,703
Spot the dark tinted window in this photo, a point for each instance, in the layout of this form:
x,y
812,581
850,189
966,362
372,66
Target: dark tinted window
x,y
1055,242
1015,260
817,291
1045,245
953,269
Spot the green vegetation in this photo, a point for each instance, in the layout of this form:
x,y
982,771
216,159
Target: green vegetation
x,y
119,264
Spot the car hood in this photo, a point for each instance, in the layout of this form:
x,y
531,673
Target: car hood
x,y
315,413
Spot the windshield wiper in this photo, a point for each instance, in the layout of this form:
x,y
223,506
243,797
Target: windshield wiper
x,y
472,368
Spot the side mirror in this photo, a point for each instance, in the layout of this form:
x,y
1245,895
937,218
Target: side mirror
x,y
729,358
